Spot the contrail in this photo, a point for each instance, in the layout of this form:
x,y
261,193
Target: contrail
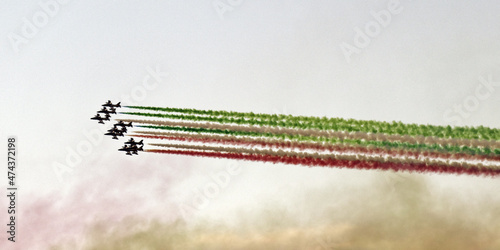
x,y
355,164
231,140
336,124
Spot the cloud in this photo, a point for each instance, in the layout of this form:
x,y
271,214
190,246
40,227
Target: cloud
x,y
394,211
109,194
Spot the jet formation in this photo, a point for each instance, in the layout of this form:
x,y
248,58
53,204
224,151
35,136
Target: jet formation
x,y
119,129
107,112
131,147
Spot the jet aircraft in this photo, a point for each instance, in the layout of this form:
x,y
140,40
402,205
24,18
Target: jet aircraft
x,y
133,142
131,149
100,118
121,123
110,111
111,105
114,132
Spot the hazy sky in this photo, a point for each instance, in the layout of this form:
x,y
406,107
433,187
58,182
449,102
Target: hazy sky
x,y
60,61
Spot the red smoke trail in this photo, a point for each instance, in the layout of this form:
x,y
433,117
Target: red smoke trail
x,y
322,147
357,157
354,164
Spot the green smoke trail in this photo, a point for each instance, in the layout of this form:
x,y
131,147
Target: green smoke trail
x,y
386,144
323,123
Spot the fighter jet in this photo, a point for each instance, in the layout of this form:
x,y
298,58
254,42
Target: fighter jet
x,y
101,119
111,105
133,142
104,110
98,117
113,135
114,132
130,149
121,123
122,129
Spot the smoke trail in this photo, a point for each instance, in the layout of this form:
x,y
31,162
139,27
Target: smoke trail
x,y
328,134
339,124
335,155
284,136
354,164
229,140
